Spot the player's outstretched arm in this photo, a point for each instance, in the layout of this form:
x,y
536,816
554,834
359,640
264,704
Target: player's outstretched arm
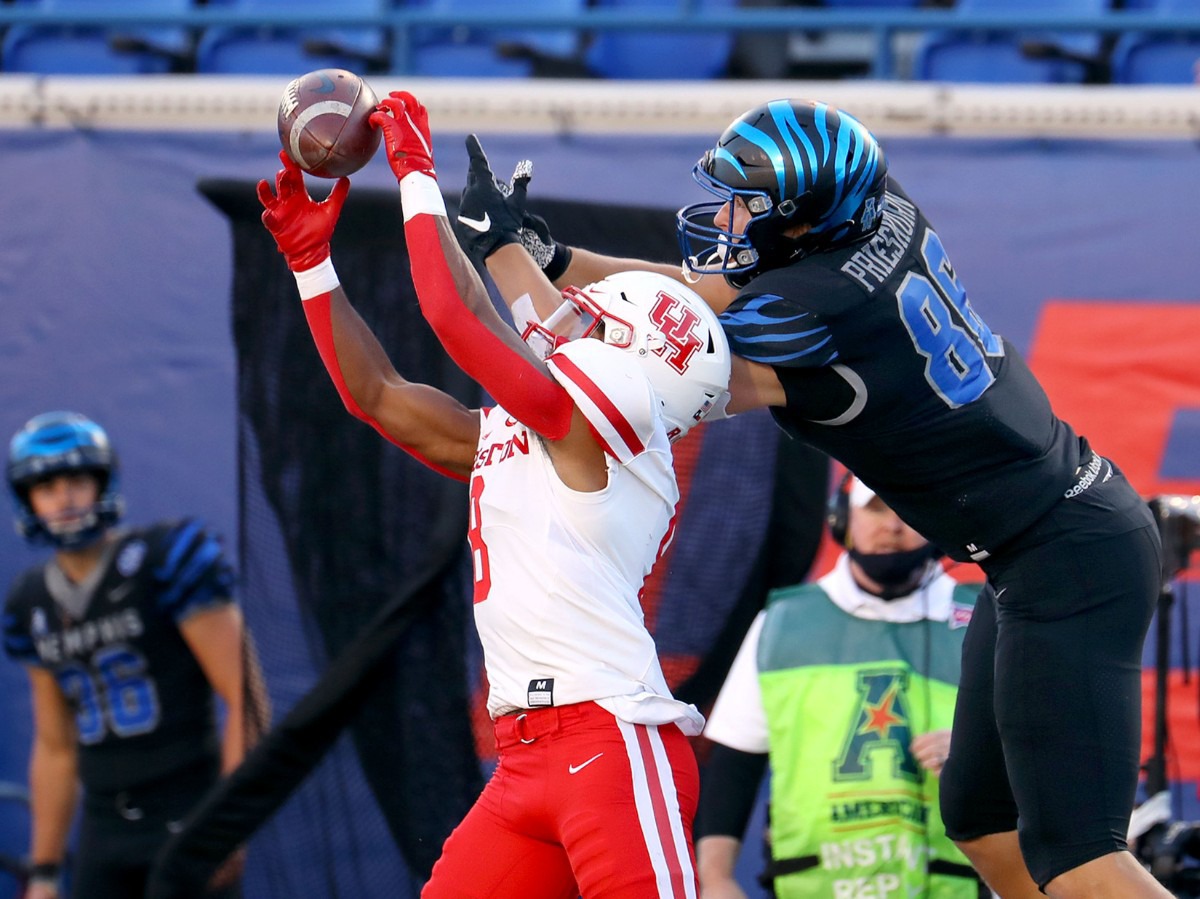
x,y
453,298
429,424
492,229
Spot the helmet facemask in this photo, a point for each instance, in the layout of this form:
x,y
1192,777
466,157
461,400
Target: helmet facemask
x,y
709,249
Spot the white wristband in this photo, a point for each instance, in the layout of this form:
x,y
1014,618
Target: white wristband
x,y
419,194
317,280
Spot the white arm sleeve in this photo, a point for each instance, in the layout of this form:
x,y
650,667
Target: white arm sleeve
x,y
738,719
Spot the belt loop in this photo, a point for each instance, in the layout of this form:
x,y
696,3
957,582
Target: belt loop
x,y
520,728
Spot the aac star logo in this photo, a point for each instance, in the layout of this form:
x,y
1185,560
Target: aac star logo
x,y
879,717
881,725
870,215
326,86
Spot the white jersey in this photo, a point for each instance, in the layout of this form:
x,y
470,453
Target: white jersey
x,y
558,572
738,719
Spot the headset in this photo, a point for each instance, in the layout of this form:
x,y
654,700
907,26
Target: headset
x,y
837,510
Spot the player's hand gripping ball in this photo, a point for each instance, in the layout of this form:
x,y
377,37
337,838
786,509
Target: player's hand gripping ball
x,y
324,122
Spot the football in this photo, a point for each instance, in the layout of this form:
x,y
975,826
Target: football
x,y
323,122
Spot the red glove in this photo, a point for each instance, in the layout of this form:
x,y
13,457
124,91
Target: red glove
x,y
405,126
301,226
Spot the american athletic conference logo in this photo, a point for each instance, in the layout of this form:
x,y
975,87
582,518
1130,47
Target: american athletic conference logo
x,y
871,214
880,729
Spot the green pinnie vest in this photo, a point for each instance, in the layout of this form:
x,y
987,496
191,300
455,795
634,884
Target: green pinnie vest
x,y
853,814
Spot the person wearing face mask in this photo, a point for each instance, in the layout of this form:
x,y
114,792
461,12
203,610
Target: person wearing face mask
x,y
846,687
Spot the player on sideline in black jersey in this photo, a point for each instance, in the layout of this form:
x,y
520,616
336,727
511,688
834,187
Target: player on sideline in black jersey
x,y
850,323
127,634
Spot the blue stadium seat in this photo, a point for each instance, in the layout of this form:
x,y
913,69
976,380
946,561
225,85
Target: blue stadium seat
x,y
1013,57
872,4
89,50
1159,57
658,55
496,53
293,51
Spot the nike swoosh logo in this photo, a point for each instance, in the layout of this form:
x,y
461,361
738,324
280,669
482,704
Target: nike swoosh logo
x,y
118,593
482,225
575,769
326,87
1000,592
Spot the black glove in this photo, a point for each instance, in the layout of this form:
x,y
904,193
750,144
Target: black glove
x,y
553,257
490,212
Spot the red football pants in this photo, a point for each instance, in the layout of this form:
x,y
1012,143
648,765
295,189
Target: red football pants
x,y
579,804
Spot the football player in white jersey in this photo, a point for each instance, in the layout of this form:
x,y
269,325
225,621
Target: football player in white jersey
x,y
572,497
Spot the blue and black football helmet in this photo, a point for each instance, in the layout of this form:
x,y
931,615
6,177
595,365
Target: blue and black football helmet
x,y
793,162
57,442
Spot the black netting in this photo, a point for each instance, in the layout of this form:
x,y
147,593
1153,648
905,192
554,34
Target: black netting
x,y
336,524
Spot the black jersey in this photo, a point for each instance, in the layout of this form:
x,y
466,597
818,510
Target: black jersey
x,y
143,706
888,369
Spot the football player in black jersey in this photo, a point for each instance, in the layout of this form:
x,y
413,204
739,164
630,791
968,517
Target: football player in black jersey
x,y
851,324
126,634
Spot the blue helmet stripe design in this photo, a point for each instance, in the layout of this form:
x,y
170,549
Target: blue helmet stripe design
x,y
767,145
789,129
863,166
811,163
820,117
722,153
57,444
842,189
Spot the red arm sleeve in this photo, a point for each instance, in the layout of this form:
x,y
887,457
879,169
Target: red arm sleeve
x,y
319,315
456,304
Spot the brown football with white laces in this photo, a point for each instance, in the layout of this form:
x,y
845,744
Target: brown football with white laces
x,y
324,122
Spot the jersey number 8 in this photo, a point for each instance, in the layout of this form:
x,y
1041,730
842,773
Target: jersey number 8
x,y
945,329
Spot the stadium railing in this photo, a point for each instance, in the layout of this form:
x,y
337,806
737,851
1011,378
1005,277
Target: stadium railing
x,y
685,17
